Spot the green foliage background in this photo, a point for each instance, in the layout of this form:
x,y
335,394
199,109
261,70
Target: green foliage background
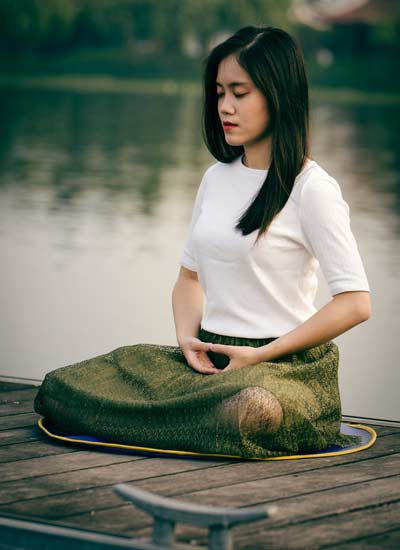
x,y
146,38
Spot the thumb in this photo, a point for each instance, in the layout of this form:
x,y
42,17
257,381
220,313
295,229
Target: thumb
x,y
221,348
204,346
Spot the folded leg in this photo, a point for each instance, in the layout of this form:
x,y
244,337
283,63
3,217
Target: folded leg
x,y
254,413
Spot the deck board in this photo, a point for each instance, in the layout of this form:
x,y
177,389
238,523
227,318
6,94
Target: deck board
x,y
32,449
346,502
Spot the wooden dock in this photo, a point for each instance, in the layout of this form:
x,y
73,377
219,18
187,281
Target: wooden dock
x,y
348,502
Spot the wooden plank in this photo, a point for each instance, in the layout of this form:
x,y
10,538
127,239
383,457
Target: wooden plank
x,y
388,539
298,507
70,503
19,421
320,505
127,520
382,431
58,464
385,430
10,386
332,531
184,480
326,504
324,531
28,394
249,471
22,534
96,476
251,492
21,435
102,515
33,449
15,407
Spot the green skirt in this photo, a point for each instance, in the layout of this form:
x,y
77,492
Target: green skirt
x,y
147,395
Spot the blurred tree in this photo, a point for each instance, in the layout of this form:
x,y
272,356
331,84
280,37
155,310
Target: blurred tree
x,y
170,37
213,16
52,25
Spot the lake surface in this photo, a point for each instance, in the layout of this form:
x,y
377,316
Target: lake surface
x,y
96,193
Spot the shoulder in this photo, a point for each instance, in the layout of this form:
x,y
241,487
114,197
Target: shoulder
x,y
210,172
211,169
316,184
207,175
217,168
321,198
216,172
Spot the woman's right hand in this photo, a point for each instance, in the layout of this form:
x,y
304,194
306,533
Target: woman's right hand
x,y
195,352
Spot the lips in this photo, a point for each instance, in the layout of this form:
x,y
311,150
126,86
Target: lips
x,y
229,124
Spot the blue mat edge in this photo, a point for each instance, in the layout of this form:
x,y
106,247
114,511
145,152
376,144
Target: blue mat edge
x,y
367,434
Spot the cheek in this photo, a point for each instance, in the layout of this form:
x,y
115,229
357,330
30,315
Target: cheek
x,y
258,121
257,112
263,114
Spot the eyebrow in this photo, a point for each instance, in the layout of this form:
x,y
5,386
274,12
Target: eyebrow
x,y
233,84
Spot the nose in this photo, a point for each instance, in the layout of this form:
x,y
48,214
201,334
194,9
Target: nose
x,y
226,105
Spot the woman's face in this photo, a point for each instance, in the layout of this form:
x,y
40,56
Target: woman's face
x,y
242,104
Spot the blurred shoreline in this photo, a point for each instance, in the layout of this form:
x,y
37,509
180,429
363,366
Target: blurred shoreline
x,y
104,83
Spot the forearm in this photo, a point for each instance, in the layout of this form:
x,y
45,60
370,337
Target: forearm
x,y
330,321
187,306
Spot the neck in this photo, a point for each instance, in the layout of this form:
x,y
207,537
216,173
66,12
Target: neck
x,y
258,156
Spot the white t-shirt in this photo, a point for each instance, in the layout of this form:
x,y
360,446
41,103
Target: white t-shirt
x,y
268,290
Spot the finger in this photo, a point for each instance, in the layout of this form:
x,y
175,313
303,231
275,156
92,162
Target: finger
x,y
200,362
219,347
204,368
229,366
210,366
202,346
207,363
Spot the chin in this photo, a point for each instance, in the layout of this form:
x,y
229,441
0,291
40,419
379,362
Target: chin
x,y
235,142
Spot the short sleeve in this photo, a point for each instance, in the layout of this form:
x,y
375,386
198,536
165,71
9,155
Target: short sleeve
x,y
188,257
325,222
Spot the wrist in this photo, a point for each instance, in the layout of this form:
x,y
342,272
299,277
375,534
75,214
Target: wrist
x,y
182,339
265,353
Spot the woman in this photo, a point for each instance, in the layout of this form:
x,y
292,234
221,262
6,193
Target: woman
x,y
265,217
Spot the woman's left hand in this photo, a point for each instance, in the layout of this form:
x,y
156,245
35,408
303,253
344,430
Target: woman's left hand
x,y
240,356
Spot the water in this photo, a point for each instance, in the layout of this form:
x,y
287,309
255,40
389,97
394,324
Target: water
x,y
96,192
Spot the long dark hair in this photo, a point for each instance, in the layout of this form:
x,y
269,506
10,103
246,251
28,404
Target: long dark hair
x,y
274,61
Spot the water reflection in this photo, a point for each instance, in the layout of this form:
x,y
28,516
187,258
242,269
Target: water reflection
x,y
96,192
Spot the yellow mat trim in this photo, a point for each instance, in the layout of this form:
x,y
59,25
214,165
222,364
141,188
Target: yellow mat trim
x,y
190,453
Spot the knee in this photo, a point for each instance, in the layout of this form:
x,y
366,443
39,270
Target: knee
x,y
260,412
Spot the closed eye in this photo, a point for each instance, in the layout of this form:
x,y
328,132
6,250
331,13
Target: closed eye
x,y
236,95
